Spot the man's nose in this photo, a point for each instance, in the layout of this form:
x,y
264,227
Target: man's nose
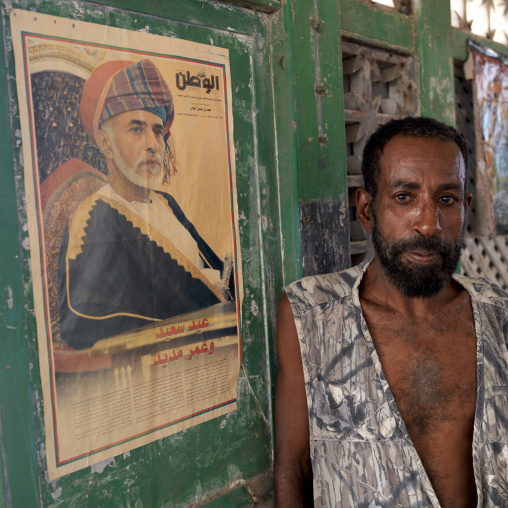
x,y
427,220
152,141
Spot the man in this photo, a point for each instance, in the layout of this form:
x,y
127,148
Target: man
x,y
130,257
393,381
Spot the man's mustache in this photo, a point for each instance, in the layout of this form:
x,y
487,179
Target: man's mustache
x,y
429,244
148,159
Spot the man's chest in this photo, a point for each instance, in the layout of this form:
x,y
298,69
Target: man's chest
x,y
430,366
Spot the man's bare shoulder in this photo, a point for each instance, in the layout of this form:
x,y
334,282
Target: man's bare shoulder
x,y
288,346
293,471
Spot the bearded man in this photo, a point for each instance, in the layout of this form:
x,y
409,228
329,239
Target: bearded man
x,y
393,380
130,257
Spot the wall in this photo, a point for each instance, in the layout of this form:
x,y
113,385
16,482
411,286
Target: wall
x,y
292,191
227,457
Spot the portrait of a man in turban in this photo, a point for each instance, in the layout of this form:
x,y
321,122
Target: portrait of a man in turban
x,y
129,256
129,193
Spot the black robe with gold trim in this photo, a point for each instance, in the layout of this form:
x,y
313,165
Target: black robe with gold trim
x,y
117,273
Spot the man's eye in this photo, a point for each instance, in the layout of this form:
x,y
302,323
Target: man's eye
x,y
447,200
136,130
402,198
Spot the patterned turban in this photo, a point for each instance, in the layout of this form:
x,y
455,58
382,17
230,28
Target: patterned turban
x,y
118,86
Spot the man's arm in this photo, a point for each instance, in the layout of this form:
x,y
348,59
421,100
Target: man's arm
x,y
293,470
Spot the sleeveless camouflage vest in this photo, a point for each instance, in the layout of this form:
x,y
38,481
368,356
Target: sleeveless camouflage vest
x,y
361,452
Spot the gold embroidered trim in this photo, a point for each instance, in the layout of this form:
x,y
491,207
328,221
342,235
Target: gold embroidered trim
x,y
77,225
77,232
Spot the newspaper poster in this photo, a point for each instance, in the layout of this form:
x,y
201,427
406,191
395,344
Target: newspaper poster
x,y
490,83
131,204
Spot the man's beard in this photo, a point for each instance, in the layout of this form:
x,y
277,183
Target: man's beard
x,y
151,180
413,280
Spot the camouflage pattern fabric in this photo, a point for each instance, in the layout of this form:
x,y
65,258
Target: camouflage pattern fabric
x,y
362,455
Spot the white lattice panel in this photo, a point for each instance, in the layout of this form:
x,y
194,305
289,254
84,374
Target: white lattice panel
x,y
482,256
486,257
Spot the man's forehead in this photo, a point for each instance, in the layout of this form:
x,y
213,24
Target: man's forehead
x,y
138,116
413,156
400,142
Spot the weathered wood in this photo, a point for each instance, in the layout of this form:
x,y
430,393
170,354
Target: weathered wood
x,y
352,132
354,165
350,101
383,117
321,133
359,247
459,40
435,61
357,233
218,14
464,122
352,115
380,55
353,64
19,467
361,84
267,6
391,73
324,233
372,23
354,180
158,473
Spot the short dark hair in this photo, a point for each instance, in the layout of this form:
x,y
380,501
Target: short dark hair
x,y
419,127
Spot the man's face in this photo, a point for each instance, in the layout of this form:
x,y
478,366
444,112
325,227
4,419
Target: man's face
x,y
419,214
137,144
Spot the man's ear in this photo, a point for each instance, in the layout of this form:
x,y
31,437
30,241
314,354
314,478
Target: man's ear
x,y
468,200
103,141
363,209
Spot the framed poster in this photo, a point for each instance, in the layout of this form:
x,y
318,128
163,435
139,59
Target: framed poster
x,y
131,204
489,71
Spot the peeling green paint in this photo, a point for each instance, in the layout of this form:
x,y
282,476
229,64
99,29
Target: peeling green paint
x,y
433,47
192,466
369,22
459,44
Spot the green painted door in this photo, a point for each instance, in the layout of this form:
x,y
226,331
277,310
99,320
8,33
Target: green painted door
x,y
223,459
291,159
